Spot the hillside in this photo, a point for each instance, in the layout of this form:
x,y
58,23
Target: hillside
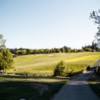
x,y
45,63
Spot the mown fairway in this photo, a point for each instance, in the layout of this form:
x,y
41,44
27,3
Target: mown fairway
x,y
45,63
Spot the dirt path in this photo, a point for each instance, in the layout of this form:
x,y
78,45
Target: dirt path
x,y
77,89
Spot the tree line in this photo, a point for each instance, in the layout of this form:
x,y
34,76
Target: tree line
x,y
64,49
24,51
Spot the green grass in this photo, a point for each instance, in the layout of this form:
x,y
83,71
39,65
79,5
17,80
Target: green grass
x,y
94,83
96,88
14,89
45,63
42,64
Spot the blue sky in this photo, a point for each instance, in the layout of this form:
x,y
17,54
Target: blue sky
x,y
47,23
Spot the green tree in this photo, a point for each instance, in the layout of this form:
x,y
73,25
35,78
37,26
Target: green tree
x,y
59,70
6,57
95,15
28,51
94,46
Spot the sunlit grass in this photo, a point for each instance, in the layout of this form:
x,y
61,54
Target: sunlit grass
x,y
45,63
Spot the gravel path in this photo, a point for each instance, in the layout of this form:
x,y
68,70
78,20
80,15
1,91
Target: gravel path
x,y
77,89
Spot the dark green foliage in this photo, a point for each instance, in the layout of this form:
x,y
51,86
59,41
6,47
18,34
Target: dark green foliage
x,y
28,51
21,51
95,87
59,70
87,48
90,48
64,49
24,51
30,90
88,68
98,70
6,59
94,47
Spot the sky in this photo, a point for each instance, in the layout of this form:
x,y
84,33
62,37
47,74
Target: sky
x,y
47,23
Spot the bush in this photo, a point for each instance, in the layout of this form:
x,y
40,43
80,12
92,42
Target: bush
x,y
98,70
6,59
59,70
88,68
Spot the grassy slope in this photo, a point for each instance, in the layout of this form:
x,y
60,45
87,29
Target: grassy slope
x,y
46,62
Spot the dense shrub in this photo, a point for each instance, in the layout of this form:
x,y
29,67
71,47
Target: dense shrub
x,y
88,68
98,70
59,70
6,59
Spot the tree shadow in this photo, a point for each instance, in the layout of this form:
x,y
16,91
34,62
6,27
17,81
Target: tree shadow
x,y
14,90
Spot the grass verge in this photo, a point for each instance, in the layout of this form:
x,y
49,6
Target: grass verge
x,y
94,83
14,89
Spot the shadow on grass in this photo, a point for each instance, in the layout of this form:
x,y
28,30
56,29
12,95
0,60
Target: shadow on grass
x,y
26,76
94,83
14,90
96,88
